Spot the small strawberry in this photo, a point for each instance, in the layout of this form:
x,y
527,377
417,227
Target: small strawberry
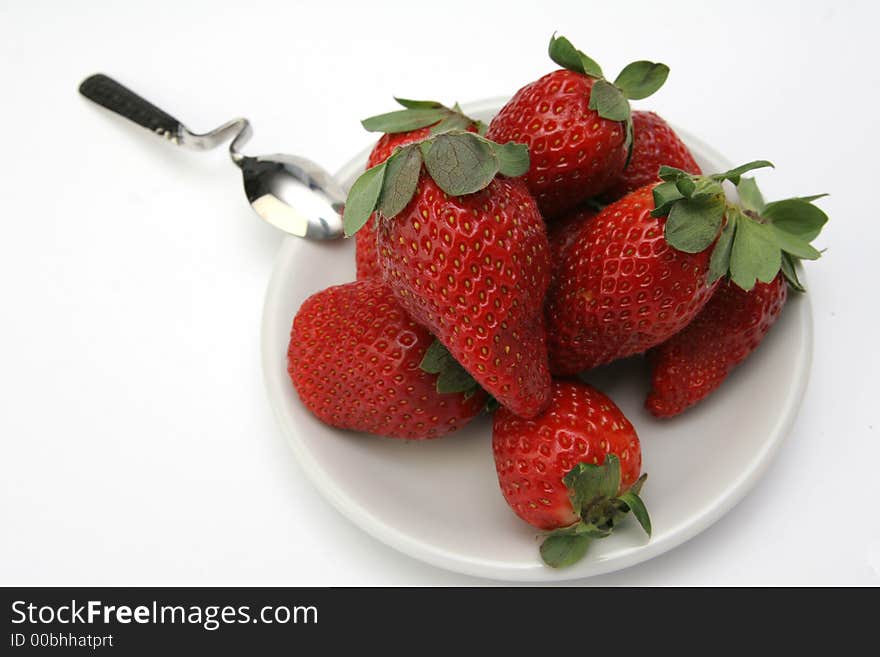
x,y
643,268
417,121
693,363
573,469
354,358
654,144
577,125
465,252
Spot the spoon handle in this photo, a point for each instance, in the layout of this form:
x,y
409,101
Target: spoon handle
x,y
107,92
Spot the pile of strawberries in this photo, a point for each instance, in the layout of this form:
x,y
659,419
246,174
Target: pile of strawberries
x,y
495,263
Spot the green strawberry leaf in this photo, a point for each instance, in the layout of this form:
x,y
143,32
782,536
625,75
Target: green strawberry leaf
x,y
419,114
641,79
451,376
609,101
638,508
789,270
797,217
665,195
564,549
419,104
793,244
750,196
719,263
454,380
629,142
436,358
401,178
452,122
755,254
587,482
671,174
567,56
733,175
686,185
637,487
362,198
513,158
810,199
693,224
404,120
460,163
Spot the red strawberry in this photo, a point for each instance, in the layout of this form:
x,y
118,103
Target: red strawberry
x,y
474,269
465,253
563,232
642,269
621,288
576,124
574,468
694,362
398,129
354,359
654,144
760,245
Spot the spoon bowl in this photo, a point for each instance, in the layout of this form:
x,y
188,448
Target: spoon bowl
x,y
294,194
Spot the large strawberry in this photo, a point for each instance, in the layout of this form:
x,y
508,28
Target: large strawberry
x,y
465,252
639,272
417,121
654,144
573,469
354,358
693,363
577,125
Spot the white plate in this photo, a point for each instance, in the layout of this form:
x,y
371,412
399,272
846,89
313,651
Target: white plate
x,y
439,501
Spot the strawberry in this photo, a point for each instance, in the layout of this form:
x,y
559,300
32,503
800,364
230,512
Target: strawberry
x,y
642,269
654,144
563,232
574,469
693,363
577,125
465,252
411,124
354,358
621,288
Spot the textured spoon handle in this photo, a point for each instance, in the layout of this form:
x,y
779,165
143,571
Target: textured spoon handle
x,y
108,93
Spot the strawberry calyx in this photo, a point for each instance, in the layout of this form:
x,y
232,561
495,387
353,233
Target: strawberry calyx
x,y
636,81
460,162
419,114
593,492
753,240
451,376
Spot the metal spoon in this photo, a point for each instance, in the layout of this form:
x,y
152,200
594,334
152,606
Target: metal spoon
x,y
291,193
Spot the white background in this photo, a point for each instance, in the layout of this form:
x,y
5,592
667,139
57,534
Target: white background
x,y
136,442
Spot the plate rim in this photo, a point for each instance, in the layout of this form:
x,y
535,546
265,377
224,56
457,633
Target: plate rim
x,y
413,547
